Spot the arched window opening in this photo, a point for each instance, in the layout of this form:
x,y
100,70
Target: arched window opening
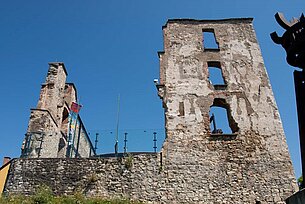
x,y
65,116
65,120
218,121
215,76
209,40
221,121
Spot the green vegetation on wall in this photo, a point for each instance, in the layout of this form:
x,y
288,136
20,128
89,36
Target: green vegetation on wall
x,y
44,195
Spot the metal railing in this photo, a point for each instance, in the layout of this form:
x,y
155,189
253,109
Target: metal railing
x,y
129,140
35,139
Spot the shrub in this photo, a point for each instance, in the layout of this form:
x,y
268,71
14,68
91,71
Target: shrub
x,y
43,195
129,161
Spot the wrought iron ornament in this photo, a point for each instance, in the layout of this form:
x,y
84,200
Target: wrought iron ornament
x,y
293,40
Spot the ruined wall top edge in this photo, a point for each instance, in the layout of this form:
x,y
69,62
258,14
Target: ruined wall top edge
x,y
218,21
59,64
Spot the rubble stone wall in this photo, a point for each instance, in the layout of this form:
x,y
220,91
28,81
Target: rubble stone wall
x,y
133,177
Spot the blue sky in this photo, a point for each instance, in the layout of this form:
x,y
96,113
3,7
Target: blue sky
x,y
110,48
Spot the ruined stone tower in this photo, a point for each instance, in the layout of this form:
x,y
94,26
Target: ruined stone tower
x,y
251,164
46,136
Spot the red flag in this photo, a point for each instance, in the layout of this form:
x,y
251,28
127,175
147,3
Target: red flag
x,y
75,107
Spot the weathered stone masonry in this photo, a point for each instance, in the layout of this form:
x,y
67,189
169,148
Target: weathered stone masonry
x,y
109,177
251,165
47,134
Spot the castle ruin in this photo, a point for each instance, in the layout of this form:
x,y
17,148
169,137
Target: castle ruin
x,y
47,135
197,164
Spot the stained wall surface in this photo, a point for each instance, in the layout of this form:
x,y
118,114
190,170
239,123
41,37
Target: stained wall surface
x,y
250,165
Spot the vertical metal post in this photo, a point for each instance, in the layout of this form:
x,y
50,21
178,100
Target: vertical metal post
x,y
125,143
155,142
116,146
73,139
96,141
214,123
78,138
161,160
27,144
299,81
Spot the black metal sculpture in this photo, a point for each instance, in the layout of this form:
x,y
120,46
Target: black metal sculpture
x,y
293,41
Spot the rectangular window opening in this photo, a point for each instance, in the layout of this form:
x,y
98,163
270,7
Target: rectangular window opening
x,y
209,40
215,76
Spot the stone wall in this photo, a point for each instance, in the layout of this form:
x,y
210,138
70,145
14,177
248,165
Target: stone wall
x,y
135,177
83,145
249,165
39,142
143,178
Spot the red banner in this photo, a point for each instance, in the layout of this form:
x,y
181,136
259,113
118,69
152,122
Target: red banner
x,y
75,107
